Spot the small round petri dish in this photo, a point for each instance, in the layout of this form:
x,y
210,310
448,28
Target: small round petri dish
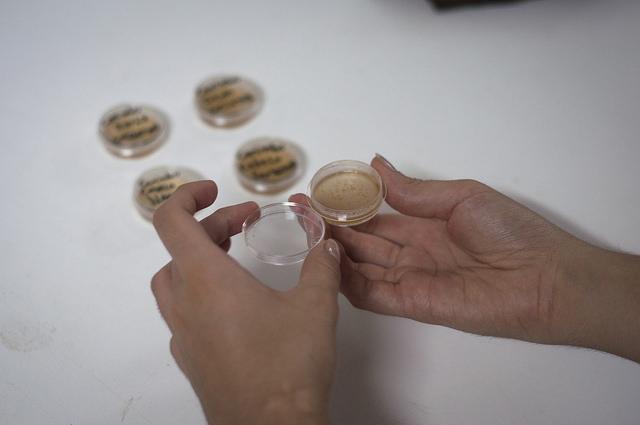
x,y
347,193
156,185
283,233
228,100
269,165
131,131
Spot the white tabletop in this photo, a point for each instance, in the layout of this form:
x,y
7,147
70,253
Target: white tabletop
x,y
540,100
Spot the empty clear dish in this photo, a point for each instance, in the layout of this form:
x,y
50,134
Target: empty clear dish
x,y
283,233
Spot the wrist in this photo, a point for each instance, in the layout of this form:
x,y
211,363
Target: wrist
x,y
601,301
290,408
301,407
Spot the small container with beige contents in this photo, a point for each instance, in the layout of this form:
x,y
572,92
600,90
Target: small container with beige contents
x,y
269,165
228,100
347,193
342,193
131,131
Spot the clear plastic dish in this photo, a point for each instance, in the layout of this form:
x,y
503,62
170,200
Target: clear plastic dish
x,y
132,131
347,193
269,164
283,233
228,100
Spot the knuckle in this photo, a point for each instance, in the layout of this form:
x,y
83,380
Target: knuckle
x,y
159,284
410,187
155,284
474,186
414,182
173,348
183,188
225,210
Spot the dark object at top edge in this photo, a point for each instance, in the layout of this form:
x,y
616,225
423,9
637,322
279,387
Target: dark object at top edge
x,y
450,4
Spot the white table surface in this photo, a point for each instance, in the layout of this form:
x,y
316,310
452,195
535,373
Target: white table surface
x,y
540,100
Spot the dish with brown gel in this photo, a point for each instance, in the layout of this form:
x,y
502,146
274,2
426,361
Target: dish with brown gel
x,y
228,101
269,165
133,131
346,193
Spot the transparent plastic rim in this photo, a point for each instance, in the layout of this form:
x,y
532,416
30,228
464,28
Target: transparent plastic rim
x,y
281,208
135,152
235,119
267,187
339,215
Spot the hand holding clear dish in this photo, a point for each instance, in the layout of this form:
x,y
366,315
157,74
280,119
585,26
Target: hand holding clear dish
x,y
342,193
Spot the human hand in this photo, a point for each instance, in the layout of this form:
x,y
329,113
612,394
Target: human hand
x,y
465,256
253,355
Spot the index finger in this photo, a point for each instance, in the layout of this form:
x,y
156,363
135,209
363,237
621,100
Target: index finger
x,y
184,237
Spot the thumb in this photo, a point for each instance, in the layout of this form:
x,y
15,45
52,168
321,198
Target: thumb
x,y
424,198
321,271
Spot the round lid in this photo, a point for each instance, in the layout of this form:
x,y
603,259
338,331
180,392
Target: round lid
x,y
283,233
347,193
156,185
130,131
269,165
228,100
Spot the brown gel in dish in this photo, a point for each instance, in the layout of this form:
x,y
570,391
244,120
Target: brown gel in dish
x,y
347,190
132,128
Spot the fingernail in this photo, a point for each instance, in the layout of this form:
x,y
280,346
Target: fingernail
x,y
332,248
385,162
